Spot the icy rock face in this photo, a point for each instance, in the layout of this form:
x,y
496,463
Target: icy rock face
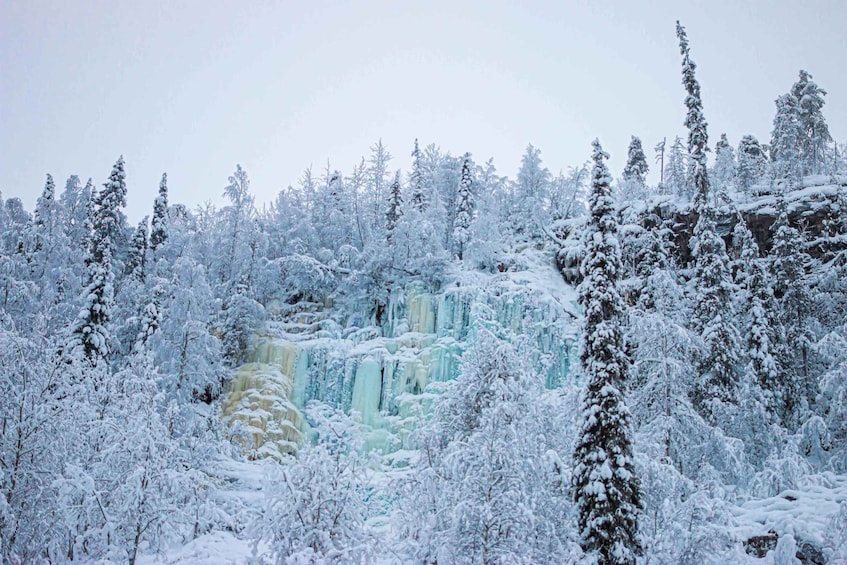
x,y
259,411
383,372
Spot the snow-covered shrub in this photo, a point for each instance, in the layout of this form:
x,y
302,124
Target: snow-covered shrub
x,y
316,505
489,485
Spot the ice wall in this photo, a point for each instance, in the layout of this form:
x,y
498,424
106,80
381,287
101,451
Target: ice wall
x,y
383,372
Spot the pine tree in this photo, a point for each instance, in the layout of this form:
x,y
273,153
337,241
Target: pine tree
x,y
815,137
751,164
159,224
606,488
90,331
713,312
464,208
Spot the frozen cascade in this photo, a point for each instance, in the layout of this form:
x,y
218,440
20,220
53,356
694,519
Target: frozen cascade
x,y
383,373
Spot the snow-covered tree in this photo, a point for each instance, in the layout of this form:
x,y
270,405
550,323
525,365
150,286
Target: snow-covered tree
x,y
786,139
634,185
464,208
315,506
395,208
636,163
725,169
695,121
676,177
238,219
136,258
188,355
762,326
486,242
90,332
713,315
606,488
789,263
159,223
489,485
531,191
378,182
418,191
815,137
569,193
752,164
240,315
713,318
140,476
33,436
44,218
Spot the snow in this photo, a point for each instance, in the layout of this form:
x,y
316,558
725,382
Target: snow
x,y
214,548
807,513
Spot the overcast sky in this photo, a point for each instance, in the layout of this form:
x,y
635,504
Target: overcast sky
x,y
194,87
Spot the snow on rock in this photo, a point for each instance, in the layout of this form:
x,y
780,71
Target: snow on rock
x,y
809,515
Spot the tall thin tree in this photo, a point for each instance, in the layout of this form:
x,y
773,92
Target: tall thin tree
x,y
606,487
713,313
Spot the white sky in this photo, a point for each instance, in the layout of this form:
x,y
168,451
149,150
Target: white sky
x,y
194,87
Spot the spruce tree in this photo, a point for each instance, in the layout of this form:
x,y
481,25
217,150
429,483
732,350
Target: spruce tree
x,y
606,489
713,318
44,231
464,207
417,197
395,208
789,263
136,259
763,329
90,333
713,312
158,226
695,121
45,208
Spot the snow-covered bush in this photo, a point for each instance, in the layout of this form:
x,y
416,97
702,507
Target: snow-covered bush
x,y
316,505
490,485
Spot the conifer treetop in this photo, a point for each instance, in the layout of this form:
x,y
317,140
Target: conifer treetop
x,y
695,121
